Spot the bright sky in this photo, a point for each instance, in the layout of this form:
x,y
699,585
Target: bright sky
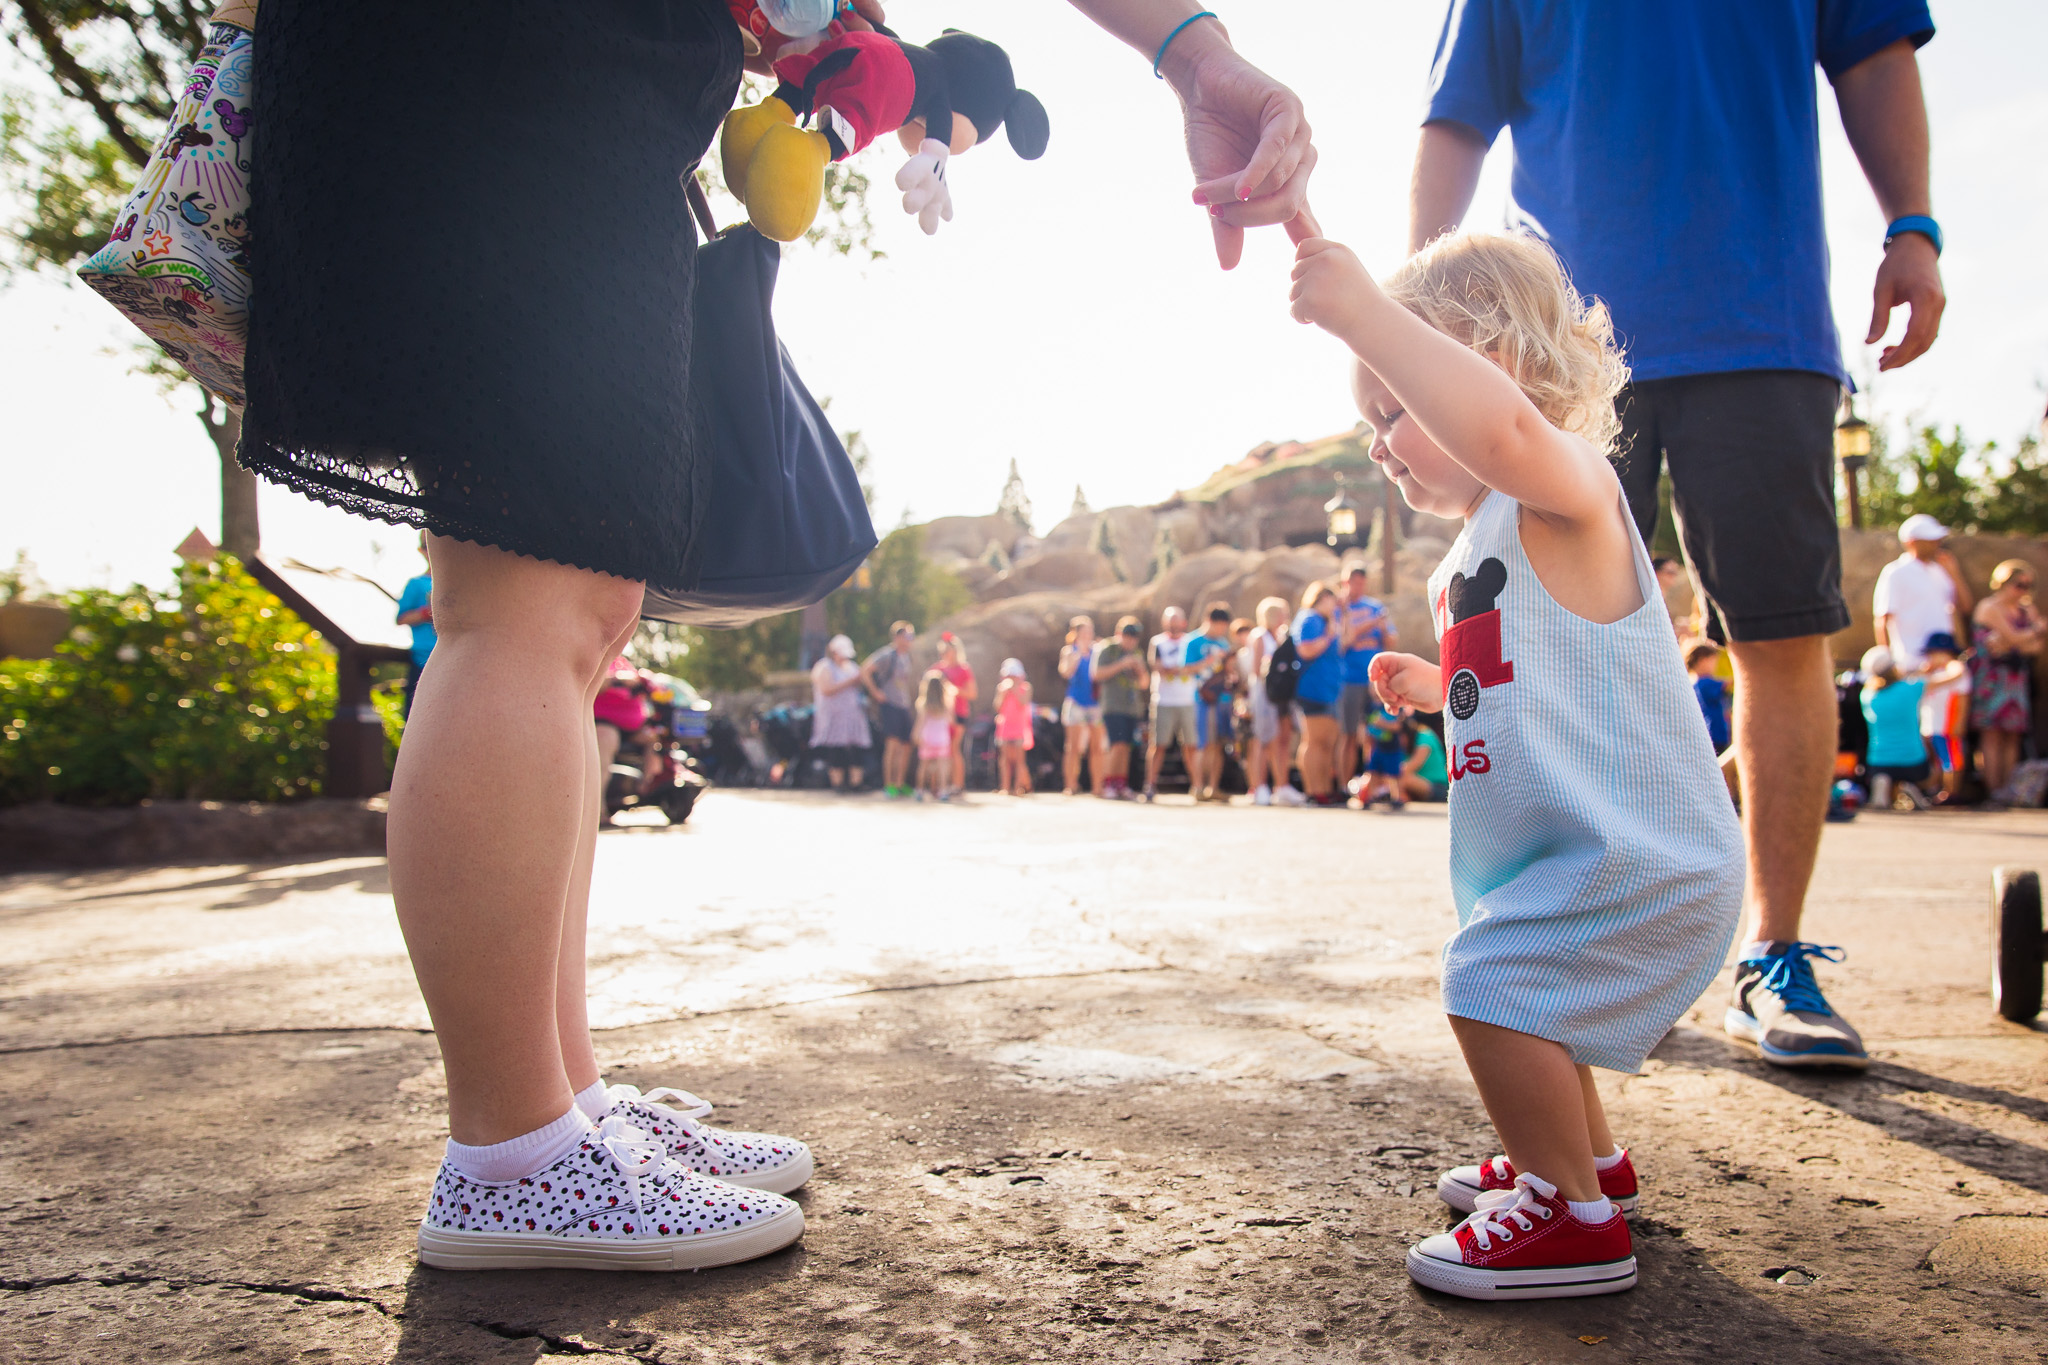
x,y
1071,316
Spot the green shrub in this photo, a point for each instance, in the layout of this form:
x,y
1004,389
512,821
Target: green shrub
x,y
215,692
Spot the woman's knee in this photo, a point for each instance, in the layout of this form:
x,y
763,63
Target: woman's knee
x,y
575,614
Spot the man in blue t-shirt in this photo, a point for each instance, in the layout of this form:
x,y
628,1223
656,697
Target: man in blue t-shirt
x,y
1363,630
416,609
1670,152
1211,653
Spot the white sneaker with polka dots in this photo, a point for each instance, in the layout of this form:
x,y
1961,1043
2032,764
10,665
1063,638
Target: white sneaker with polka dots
x,y
758,1161
617,1202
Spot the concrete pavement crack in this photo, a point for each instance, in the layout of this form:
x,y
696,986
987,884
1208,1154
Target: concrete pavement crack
x,y
79,1043
305,1292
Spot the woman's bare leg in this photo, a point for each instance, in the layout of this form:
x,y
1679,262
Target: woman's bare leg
x,y
572,987
1540,1105
1279,750
489,807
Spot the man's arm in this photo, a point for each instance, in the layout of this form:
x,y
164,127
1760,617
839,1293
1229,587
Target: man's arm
x,y
1447,162
1881,627
1886,120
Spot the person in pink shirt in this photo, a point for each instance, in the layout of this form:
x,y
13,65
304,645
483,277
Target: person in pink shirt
x,y
952,666
1014,728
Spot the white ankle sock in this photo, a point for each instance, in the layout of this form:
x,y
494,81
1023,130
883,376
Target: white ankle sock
x,y
593,1101
1600,1163
523,1155
1758,948
1594,1211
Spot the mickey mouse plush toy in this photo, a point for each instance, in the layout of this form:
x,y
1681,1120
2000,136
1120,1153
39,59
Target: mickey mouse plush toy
x,y
942,99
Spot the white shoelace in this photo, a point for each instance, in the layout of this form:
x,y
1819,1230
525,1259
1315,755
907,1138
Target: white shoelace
x,y
1500,1212
678,1106
632,1150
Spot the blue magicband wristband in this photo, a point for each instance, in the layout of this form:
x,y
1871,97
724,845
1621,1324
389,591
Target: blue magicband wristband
x,y
1178,29
1917,222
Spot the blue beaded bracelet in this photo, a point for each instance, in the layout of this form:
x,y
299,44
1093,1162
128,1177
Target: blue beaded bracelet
x,y
1205,14
1917,222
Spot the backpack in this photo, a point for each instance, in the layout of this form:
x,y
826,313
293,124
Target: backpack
x,y
1283,673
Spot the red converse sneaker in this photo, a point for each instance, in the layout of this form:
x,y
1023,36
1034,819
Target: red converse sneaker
x,y
1461,1186
1525,1244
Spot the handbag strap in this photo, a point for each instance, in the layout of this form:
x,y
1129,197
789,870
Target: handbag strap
x,y
240,13
699,205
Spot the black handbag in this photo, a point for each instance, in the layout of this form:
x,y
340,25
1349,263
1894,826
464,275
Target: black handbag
x,y
784,521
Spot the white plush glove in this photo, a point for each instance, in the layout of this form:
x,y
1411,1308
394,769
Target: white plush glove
x,y
923,182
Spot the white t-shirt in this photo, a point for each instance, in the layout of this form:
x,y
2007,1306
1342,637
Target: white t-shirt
x,y
1168,652
1262,644
1940,713
1921,600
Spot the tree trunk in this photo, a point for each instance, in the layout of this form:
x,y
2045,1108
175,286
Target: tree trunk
x,y
240,534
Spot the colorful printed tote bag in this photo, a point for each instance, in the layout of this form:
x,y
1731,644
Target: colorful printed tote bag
x,y
177,265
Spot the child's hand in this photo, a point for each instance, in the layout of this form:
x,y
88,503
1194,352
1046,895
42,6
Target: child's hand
x,y
1330,285
1407,682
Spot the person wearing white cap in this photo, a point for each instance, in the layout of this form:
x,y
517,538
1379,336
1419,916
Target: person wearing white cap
x,y
1919,594
1014,728
839,723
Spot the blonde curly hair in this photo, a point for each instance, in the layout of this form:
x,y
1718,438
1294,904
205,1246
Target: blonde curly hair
x,y
1508,298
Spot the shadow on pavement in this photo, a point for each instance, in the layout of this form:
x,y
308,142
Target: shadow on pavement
x,y
257,887
587,1312
1869,1099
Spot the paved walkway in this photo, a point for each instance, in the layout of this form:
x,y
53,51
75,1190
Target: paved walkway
x,y
1087,1083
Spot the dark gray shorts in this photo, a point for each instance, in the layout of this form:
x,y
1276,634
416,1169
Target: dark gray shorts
x,y
1751,454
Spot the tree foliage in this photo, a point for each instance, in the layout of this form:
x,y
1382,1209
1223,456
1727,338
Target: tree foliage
x,y
900,585
215,691
1966,488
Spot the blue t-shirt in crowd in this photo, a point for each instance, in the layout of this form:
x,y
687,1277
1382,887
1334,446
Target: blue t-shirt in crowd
x,y
1081,687
1670,152
1206,652
1893,715
1713,695
1322,678
1357,663
418,592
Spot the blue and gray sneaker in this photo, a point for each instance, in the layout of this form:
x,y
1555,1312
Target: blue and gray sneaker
x,y
1779,1007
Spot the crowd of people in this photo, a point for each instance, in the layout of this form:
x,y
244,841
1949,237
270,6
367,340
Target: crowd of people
x,y
1939,709
1946,692
1279,705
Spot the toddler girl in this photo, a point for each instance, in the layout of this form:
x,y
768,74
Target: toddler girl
x,y
935,738
1013,728
1595,856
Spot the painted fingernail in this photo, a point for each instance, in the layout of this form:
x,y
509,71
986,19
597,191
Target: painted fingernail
x,y
1215,210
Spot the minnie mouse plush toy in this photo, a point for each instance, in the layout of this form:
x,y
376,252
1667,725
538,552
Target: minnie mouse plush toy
x,y
941,99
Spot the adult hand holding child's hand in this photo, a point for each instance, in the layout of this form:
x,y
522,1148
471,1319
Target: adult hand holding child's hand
x,y
1330,284
1407,682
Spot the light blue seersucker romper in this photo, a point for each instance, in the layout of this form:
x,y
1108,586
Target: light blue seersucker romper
x,y
1595,856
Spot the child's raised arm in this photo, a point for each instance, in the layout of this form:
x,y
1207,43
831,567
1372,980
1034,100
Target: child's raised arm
x,y
1466,404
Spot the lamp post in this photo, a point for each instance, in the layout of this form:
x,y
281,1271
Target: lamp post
x,y
1340,515
1852,448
